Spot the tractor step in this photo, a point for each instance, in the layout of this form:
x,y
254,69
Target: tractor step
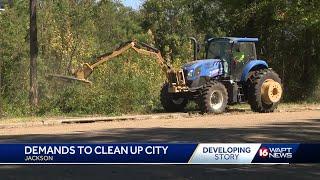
x,y
240,96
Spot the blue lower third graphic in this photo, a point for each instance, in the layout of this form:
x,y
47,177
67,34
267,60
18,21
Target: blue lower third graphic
x,y
203,153
96,153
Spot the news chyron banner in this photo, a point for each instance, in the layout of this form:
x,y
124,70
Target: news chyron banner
x,y
203,153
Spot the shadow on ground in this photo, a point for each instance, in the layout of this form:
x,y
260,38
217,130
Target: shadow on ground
x,y
308,131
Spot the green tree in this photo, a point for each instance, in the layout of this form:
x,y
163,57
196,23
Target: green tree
x,y
171,23
14,57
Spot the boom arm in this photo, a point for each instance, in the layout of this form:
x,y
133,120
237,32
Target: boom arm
x,y
175,78
86,69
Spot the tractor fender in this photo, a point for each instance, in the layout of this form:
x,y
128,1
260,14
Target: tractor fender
x,y
254,64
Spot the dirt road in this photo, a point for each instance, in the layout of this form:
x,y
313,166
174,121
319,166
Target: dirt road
x,y
301,126
252,121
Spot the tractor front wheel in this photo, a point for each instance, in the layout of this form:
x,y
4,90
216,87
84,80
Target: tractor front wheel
x,y
172,102
264,90
214,98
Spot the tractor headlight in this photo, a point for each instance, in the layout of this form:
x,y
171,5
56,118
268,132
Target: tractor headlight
x,y
190,73
194,72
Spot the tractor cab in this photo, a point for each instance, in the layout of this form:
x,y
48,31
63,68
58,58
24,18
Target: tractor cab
x,y
234,53
226,58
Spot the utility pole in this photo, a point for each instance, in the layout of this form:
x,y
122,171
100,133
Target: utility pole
x,y
33,94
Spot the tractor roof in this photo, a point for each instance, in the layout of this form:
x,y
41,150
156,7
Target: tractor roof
x,y
235,39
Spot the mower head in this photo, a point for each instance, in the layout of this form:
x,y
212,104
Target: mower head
x,y
81,74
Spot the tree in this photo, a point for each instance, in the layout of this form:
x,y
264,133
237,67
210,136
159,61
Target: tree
x,y
171,23
33,96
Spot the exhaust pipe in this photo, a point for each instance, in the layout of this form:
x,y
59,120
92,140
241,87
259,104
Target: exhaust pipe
x,y
195,48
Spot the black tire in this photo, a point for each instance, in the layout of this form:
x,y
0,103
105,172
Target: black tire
x,y
254,84
172,102
214,98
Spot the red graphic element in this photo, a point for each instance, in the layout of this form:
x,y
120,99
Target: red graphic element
x,y
263,152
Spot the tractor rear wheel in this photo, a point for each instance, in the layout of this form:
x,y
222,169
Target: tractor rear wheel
x,y
214,98
172,102
264,90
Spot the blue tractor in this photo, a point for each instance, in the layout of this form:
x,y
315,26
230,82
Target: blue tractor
x,y
230,73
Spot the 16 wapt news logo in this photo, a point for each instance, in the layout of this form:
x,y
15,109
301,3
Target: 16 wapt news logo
x,y
276,152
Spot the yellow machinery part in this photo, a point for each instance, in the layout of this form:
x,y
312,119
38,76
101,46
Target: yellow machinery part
x,y
68,78
84,71
175,78
271,91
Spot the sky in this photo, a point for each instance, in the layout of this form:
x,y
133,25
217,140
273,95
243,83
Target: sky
x,y
132,3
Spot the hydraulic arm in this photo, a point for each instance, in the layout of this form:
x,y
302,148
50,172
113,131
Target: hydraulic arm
x,y
176,79
86,69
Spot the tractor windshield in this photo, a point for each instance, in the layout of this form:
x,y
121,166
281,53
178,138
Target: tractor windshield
x,y
219,50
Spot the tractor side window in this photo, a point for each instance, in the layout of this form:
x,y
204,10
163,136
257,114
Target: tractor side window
x,y
248,49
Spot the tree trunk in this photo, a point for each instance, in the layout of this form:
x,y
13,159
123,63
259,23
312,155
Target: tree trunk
x,y
33,96
1,100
